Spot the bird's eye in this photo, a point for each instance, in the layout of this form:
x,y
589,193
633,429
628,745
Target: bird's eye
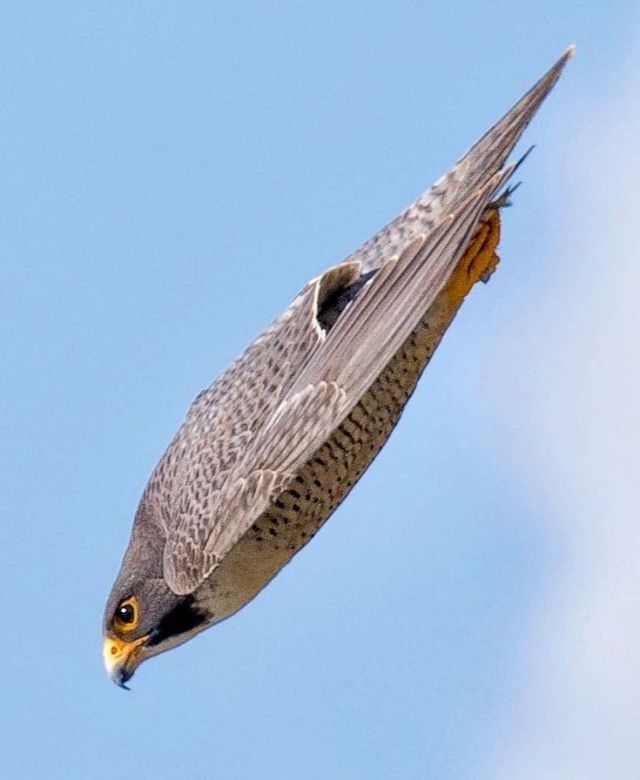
x,y
127,615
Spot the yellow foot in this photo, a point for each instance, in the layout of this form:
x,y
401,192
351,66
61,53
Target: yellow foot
x,y
480,259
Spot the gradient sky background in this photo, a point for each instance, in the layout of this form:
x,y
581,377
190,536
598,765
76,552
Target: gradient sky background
x,y
172,173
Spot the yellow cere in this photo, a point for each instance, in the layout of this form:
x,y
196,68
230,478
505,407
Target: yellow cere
x,y
116,652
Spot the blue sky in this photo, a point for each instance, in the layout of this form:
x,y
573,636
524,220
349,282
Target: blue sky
x,y
172,173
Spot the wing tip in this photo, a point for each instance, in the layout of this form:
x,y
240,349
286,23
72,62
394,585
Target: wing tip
x,y
492,149
539,91
545,84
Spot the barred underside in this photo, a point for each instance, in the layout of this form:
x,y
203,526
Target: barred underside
x,y
326,479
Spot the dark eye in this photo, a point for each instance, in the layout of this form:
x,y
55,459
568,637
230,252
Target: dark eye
x,y
127,615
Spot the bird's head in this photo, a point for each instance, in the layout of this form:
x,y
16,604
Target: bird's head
x,y
143,616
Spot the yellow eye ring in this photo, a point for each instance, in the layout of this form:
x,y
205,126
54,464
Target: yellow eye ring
x,y
127,616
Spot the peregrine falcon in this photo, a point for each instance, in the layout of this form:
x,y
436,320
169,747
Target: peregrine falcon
x,y
275,444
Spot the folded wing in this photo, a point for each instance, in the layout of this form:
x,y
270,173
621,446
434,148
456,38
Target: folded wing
x,y
335,377
246,436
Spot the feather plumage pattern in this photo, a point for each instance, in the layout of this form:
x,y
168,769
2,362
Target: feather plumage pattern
x,y
276,443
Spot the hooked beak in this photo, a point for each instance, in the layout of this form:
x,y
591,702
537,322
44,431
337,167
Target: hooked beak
x,y
121,659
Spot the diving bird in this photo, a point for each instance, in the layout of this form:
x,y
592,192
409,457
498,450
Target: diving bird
x,y
275,444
